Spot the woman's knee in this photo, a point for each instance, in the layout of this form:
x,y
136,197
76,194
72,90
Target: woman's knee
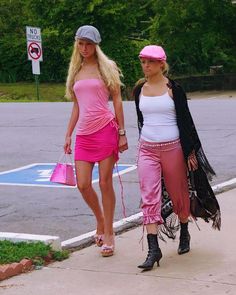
x,y
105,184
84,186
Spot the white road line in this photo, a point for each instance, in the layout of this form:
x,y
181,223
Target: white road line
x,y
20,168
37,185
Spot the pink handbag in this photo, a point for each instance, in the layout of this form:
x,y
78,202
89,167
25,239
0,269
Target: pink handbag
x,y
63,172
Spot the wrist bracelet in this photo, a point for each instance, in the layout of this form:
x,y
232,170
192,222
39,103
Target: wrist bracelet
x,y
122,132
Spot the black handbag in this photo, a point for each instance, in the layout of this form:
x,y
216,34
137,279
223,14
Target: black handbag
x,y
166,208
200,207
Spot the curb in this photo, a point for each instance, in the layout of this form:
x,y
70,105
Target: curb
x,y
224,186
87,239
130,222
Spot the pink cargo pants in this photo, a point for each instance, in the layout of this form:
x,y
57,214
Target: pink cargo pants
x,y
154,161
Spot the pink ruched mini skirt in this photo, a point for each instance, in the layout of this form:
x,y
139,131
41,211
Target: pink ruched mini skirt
x,y
99,145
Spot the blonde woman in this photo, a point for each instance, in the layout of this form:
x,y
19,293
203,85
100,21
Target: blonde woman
x,y
100,134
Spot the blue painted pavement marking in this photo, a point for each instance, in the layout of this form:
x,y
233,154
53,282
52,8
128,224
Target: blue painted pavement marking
x,y
38,174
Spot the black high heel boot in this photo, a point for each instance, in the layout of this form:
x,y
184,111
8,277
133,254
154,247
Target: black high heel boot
x,y
184,240
154,253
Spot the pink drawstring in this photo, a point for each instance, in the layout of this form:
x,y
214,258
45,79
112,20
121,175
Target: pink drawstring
x,y
114,124
122,192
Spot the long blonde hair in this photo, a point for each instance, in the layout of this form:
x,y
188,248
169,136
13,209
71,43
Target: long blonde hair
x,y
108,69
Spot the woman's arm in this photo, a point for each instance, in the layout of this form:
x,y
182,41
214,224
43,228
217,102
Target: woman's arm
x,y
71,126
136,93
119,114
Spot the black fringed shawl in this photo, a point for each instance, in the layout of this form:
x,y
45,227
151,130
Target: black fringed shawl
x,y
190,142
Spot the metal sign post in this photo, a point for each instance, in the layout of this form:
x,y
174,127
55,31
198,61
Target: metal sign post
x,y
36,72
35,52
37,86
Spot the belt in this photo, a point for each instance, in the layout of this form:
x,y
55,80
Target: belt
x,y
159,144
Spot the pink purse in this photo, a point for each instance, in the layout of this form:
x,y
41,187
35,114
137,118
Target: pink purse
x,y
63,172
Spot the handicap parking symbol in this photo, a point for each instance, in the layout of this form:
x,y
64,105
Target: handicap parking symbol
x,y
38,174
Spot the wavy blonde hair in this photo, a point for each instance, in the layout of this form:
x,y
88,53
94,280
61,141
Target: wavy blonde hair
x,y
165,68
108,69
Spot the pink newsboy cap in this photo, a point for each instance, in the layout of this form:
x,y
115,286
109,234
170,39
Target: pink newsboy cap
x,y
153,51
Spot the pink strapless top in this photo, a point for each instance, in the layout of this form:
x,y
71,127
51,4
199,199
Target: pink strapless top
x,y
94,111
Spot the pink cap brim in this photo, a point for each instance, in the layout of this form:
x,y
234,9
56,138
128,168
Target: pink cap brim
x,y
149,56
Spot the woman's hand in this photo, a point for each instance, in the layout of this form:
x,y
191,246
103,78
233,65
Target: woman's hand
x,y
123,144
67,145
192,161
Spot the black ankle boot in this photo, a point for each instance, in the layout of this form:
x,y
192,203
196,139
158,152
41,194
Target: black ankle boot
x,y
184,240
154,253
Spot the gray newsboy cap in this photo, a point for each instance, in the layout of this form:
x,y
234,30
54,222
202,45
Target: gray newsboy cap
x,y
88,32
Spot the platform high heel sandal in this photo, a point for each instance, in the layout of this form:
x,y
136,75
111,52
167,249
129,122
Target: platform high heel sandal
x,y
98,239
108,250
154,253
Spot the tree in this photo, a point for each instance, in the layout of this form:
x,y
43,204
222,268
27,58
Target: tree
x,y
13,56
59,20
195,33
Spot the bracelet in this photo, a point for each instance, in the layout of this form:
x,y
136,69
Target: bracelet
x,y
122,132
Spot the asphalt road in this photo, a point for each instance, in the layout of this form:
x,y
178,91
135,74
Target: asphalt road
x,y
34,132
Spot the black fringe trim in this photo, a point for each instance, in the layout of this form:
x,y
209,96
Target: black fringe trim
x,y
169,227
205,165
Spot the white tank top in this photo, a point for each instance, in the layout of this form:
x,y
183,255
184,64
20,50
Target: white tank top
x,y
159,118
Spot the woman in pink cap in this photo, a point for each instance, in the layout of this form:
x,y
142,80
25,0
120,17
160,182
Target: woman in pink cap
x,y
100,134
169,150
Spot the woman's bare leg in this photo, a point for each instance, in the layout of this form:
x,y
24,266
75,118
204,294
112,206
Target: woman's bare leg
x,y
84,183
151,228
108,197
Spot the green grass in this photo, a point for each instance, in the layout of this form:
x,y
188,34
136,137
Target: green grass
x,y
36,251
26,92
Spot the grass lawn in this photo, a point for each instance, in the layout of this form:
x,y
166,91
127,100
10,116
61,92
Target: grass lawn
x,y
26,92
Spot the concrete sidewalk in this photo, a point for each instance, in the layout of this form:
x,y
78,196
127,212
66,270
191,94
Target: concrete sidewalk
x,y
209,268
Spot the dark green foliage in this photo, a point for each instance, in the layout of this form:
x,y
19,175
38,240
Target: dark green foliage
x,y
37,251
15,252
195,33
60,255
